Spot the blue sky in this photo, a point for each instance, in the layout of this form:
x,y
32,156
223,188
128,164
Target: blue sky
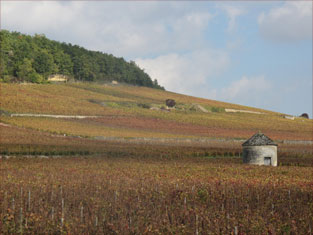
x,y
252,53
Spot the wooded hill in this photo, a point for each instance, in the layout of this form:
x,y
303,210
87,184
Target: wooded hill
x,y
33,58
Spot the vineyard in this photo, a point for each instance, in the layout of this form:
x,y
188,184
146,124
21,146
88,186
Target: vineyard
x,y
124,115
133,195
132,166
138,112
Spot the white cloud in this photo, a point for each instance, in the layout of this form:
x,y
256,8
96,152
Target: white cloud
x,y
188,73
35,18
128,29
290,22
232,13
199,19
246,90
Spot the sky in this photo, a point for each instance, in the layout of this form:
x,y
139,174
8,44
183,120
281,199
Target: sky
x,y
254,53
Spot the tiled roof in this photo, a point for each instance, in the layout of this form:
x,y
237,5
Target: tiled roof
x,y
259,139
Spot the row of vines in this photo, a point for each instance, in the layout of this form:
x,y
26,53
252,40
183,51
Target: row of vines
x,y
106,195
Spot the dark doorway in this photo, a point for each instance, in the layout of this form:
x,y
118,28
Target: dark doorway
x,y
268,161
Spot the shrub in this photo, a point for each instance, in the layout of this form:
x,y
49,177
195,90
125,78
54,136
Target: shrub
x,y
217,109
145,106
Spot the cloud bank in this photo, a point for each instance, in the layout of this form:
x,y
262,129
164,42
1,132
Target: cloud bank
x,y
288,23
128,29
186,73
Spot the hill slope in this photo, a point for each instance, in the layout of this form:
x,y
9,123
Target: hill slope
x,y
34,58
138,112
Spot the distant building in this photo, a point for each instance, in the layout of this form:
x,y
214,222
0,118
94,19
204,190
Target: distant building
x,y
58,78
290,117
260,150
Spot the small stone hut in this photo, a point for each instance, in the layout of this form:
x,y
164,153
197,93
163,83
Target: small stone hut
x,y
260,150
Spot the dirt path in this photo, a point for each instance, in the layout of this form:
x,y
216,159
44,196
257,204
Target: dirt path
x,y
51,115
241,111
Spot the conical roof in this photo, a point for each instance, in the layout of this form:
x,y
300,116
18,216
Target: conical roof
x,y
259,139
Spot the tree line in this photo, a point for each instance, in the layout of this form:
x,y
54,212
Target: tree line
x,y
34,58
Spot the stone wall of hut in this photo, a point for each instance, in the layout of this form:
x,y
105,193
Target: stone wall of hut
x,y
256,154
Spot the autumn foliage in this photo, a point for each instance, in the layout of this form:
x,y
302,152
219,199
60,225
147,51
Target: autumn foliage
x,y
105,195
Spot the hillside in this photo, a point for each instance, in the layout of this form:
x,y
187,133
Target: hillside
x,y
128,111
35,58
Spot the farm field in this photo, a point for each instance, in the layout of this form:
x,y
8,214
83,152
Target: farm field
x,y
137,168
137,195
127,111
134,115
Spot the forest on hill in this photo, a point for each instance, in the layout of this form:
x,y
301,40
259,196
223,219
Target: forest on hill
x,y
26,58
